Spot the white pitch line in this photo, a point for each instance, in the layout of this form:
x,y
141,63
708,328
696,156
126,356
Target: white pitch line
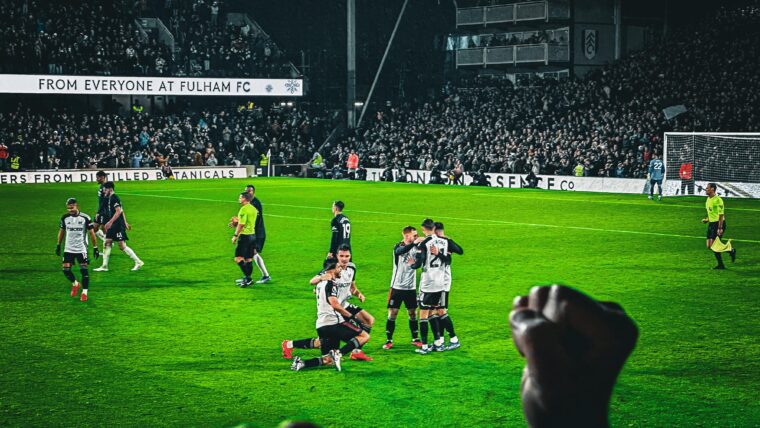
x,y
638,204
492,222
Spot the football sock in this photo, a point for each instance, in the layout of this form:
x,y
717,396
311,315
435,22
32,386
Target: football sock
x,y
350,346
106,255
84,291
261,265
423,330
303,344
70,276
241,263
719,258
448,325
435,326
248,269
85,278
131,254
414,327
314,362
390,326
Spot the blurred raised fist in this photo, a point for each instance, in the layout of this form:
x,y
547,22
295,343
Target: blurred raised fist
x,y
574,348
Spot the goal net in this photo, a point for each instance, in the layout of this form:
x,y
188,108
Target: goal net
x,y
730,160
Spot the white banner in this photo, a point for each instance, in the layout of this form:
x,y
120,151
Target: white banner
x,y
547,182
699,188
113,85
86,176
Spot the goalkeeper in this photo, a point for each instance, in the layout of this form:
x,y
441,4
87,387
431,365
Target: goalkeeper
x,y
716,225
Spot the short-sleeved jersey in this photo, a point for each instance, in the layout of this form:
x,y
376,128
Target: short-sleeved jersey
x,y
113,203
656,169
343,284
715,208
247,217
102,201
259,227
326,314
76,227
433,275
404,276
341,232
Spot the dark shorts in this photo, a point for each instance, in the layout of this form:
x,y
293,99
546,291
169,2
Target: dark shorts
x,y
80,258
430,300
353,309
330,336
246,244
260,239
712,230
100,219
117,234
445,299
408,297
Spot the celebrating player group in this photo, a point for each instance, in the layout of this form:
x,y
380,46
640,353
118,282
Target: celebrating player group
x,y
339,321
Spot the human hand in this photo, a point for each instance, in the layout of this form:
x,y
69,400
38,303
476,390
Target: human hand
x,y
574,349
234,238
128,226
58,250
434,250
705,220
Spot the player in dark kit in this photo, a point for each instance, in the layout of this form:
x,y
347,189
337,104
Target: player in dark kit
x,y
100,215
261,235
444,320
116,229
341,232
76,226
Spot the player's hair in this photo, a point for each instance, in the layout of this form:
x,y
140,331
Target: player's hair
x,y
438,225
100,173
713,185
409,229
108,185
339,205
71,201
331,266
344,247
251,186
428,223
247,196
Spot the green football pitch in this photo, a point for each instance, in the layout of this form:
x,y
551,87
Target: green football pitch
x,y
178,344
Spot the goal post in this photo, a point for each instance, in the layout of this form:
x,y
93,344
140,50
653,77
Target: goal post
x,y
730,160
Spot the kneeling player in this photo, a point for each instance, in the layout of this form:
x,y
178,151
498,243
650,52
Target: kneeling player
x,y
403,288
333,325
76,226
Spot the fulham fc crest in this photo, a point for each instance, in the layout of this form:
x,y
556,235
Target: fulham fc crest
x,y
590,43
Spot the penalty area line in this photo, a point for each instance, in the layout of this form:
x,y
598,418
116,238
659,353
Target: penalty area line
x,y
473,220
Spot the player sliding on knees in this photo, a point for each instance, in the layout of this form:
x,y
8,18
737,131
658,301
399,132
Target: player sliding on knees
x,y
403,287
333,325
116,229
76,225
345,282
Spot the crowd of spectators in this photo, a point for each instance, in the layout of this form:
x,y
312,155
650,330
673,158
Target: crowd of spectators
x,y
82,37
608,123
231,135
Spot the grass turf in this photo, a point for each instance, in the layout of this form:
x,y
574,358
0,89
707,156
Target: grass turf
x,y
178,344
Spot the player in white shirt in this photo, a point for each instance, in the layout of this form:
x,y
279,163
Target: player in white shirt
x,y
76,226
346,288
333,324
403,287
432,283
443,315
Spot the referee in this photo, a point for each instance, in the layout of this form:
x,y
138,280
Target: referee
x,y
261,235
716,226
245,238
